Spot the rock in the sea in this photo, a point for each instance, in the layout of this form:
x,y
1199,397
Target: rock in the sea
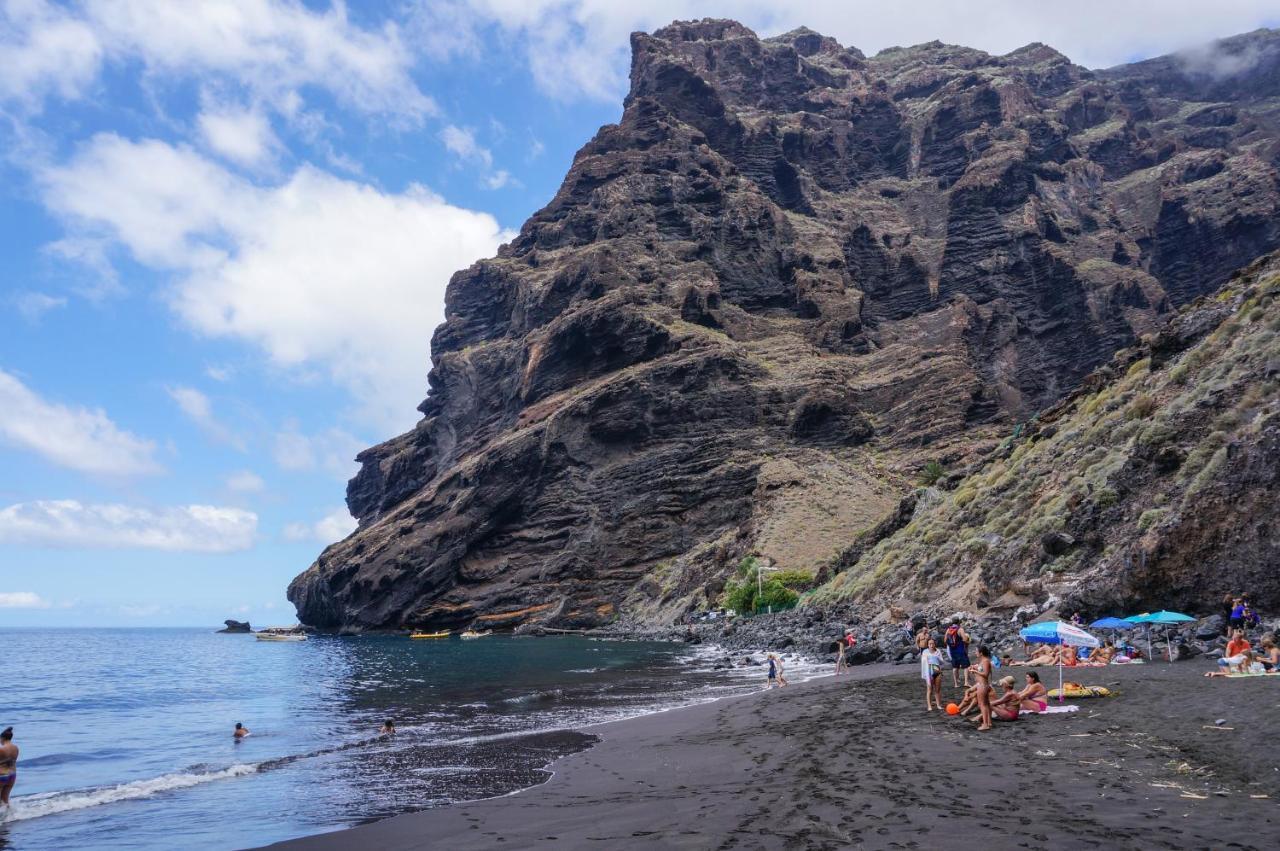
x,y
236,626
788,283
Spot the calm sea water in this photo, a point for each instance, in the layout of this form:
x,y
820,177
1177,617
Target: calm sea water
x,y
126,734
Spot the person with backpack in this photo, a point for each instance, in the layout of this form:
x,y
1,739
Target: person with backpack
x,y
956,641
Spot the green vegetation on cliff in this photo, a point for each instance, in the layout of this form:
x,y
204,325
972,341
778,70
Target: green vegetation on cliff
x,y
1152,484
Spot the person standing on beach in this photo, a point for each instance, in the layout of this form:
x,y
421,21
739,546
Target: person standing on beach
x,y
844,643
982,684
931,673
775,672
8,765
957,643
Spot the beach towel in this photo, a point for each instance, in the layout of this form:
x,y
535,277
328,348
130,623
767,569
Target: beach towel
x,y
1078,690
1053,710
1236,674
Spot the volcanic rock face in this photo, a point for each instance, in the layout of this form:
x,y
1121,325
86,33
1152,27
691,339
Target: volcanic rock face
x,y
786,278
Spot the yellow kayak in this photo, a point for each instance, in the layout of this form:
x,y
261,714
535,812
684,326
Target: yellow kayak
x,y
444,634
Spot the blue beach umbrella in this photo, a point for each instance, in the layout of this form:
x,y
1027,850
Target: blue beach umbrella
x,y
1161,617
1058,632
1112,623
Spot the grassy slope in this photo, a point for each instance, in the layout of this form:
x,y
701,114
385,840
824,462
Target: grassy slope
x,y
1134,467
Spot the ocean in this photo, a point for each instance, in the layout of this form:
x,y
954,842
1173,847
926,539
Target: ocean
x,y
126,734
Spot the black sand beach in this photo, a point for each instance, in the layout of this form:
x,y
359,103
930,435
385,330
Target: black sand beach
x,y
856,762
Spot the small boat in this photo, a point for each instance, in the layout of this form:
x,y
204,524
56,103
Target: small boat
x,y
471,633
444,634
281,633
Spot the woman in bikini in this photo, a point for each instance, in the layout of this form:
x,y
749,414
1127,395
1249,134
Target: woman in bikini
x,y
982,684
1034,698
1005,707
8,765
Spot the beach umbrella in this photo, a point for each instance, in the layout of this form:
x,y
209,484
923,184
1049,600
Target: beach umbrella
x,y
1058,632
1112,623
1161,617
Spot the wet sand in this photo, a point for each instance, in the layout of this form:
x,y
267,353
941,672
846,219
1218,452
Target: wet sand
x,y
856,762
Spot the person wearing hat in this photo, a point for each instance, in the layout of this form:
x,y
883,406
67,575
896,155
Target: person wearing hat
x,y
1005,707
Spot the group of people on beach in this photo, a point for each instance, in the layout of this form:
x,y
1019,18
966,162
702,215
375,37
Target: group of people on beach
x,y
978,694
1241,658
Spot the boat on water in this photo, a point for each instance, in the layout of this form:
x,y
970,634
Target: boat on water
x,y
444,634
281,633
471,633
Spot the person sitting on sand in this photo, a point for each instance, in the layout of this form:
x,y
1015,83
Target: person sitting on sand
x,y
1234,656
1034,697
388,728
982,682
1270,657
1070,656
1005,707
931,672
775,671
1103,654
241,731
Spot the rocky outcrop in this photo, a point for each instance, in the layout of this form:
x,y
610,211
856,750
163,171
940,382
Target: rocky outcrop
x,y
236,626
787,278
1152,486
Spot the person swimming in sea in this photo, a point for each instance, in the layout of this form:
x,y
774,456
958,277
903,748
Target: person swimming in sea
x,y
388,728
8,765
241,731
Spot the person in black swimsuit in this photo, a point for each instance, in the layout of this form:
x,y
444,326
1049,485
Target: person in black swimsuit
x,y
8,765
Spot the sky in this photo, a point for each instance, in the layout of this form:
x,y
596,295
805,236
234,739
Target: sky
x,y
226,227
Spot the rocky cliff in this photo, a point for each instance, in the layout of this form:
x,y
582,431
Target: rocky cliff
x,y
1154,485
787,278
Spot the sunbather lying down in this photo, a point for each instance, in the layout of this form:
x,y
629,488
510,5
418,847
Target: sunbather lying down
x,y
1051,655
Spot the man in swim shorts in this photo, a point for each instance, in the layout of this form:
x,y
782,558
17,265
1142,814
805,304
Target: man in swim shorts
x,y
8,765
241,731
956,641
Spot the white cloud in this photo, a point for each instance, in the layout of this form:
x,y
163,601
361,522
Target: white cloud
x,y
318,271
332,451
499,179
243,136
22,600
34,305
461,142
197,407
70,523
273,48
81,439
219,372
90,255
334,526
47,50
245,481
577,48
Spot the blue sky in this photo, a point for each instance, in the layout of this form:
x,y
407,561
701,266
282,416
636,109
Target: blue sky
x,y
225,232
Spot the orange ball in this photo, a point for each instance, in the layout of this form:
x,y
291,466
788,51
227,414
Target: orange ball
x,y
952,709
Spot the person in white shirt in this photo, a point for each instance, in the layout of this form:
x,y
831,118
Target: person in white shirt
x,y
931,660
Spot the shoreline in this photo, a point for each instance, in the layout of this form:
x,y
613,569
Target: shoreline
x,y
855,761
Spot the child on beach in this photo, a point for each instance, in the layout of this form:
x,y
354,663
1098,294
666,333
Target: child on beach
x,y
775,672
931,673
